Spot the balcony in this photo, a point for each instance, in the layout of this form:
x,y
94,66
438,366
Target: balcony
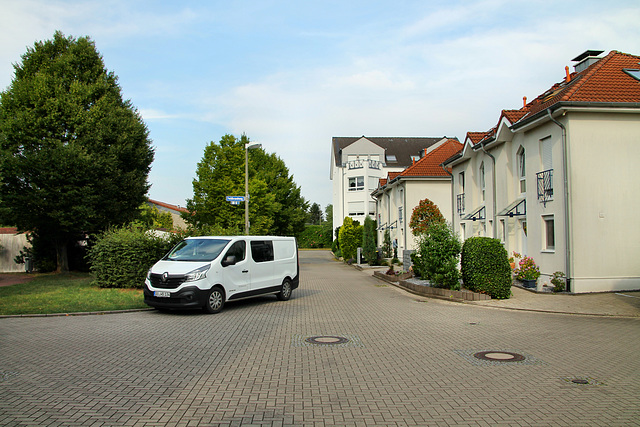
x,y
460,204
545,186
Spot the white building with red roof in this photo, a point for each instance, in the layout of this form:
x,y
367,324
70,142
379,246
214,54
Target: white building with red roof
x,y
399,193
557,180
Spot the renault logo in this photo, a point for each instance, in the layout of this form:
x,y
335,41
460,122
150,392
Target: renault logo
x,y
165,276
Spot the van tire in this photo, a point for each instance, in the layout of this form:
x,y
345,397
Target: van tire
x,y
285,291
215,301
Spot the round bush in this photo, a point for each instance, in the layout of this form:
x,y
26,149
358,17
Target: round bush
x,y
485,267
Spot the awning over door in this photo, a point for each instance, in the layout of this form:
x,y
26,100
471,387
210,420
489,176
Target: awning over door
x,y
475,215
516,208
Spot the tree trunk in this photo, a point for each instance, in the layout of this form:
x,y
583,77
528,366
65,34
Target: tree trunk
x,y
62,257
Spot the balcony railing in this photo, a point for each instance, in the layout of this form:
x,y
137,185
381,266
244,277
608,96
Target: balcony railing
x,y
545,186
460,203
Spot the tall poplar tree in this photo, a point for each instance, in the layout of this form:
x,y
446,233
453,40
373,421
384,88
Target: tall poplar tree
x,y
74,156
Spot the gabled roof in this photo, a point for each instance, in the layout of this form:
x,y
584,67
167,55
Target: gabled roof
x,y
429,165
400,147
392,175
605,81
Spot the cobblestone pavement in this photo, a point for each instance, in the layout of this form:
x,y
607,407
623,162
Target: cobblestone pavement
x,y
404,361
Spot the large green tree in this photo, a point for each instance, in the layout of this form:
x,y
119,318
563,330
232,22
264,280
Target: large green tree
x,y
276,205
74,156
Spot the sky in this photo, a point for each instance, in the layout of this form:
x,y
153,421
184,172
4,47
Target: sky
x,y
293,74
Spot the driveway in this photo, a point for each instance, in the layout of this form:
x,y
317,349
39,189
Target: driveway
x,y
345,350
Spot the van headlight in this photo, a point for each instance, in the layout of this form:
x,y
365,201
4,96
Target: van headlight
x,y
197,274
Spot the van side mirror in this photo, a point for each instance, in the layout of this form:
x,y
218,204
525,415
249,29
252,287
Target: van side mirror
x,y
229,260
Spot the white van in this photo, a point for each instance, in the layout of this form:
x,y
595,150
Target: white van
x,y
205,272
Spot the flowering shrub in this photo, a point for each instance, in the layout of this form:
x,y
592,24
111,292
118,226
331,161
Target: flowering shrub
x,y
424,216
527,269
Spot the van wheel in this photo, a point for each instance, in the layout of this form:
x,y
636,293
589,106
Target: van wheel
x,y
285,292
215,301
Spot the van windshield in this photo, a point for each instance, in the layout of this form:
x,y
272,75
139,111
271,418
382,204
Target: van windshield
x,y
197,250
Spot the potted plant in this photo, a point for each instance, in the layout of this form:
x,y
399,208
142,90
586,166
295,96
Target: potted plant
x,y
527,272
558,281
512,260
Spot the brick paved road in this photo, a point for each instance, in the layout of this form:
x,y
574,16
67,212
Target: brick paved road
x,y
407,362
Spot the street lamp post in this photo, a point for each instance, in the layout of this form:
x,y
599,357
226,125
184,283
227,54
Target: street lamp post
x,y
247,147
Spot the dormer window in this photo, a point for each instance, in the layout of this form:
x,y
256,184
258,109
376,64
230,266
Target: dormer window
x,y
633,73
391,158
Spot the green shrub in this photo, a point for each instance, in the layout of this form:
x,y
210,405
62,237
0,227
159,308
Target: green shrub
x,y
350,238
121,257
437,257
485,267
369,241
386,246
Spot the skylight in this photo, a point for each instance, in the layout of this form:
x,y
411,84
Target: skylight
x,y
391,158
633,73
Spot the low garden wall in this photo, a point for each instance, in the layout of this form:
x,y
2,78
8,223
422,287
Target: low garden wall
x,y
428,291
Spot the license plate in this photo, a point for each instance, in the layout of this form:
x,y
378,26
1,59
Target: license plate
x,y
162,294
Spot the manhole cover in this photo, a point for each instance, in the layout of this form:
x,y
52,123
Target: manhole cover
x,y
327,340
499,356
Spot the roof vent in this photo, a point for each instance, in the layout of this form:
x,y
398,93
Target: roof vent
x,y
586,59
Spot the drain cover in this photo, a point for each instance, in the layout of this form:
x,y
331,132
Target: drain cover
x,y
499,356
579,381
327,340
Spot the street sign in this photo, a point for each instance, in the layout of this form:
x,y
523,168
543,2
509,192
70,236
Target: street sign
x,y
235,198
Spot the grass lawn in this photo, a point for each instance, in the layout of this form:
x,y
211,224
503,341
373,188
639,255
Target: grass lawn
x,y
65,293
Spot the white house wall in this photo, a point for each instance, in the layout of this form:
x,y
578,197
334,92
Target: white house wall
x,y
605,200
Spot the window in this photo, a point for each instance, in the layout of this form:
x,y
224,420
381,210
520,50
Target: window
x,y
238,250
522,170
461,181
482,187
356,208
262,250
400,215
356,183
391,158
372,209
549,232
503,230
374,181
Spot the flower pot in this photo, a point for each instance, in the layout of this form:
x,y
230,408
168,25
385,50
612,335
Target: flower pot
x,y
527,283
513,265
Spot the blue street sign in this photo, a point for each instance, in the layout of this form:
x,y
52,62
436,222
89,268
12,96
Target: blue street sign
x,y
235,198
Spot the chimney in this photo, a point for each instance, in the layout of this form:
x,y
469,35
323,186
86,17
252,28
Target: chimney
x,y
586,59
567,79
524,101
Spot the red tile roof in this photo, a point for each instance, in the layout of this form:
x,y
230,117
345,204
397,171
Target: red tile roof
x,y
603,81
429,165
392,175
168,206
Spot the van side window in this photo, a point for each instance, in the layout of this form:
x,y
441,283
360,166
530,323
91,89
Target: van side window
x,y
238,249
262,250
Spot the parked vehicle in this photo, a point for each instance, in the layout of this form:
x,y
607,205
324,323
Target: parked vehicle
x,y
207,271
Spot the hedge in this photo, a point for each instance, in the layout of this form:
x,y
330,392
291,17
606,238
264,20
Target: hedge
x,y
121,257
485,267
